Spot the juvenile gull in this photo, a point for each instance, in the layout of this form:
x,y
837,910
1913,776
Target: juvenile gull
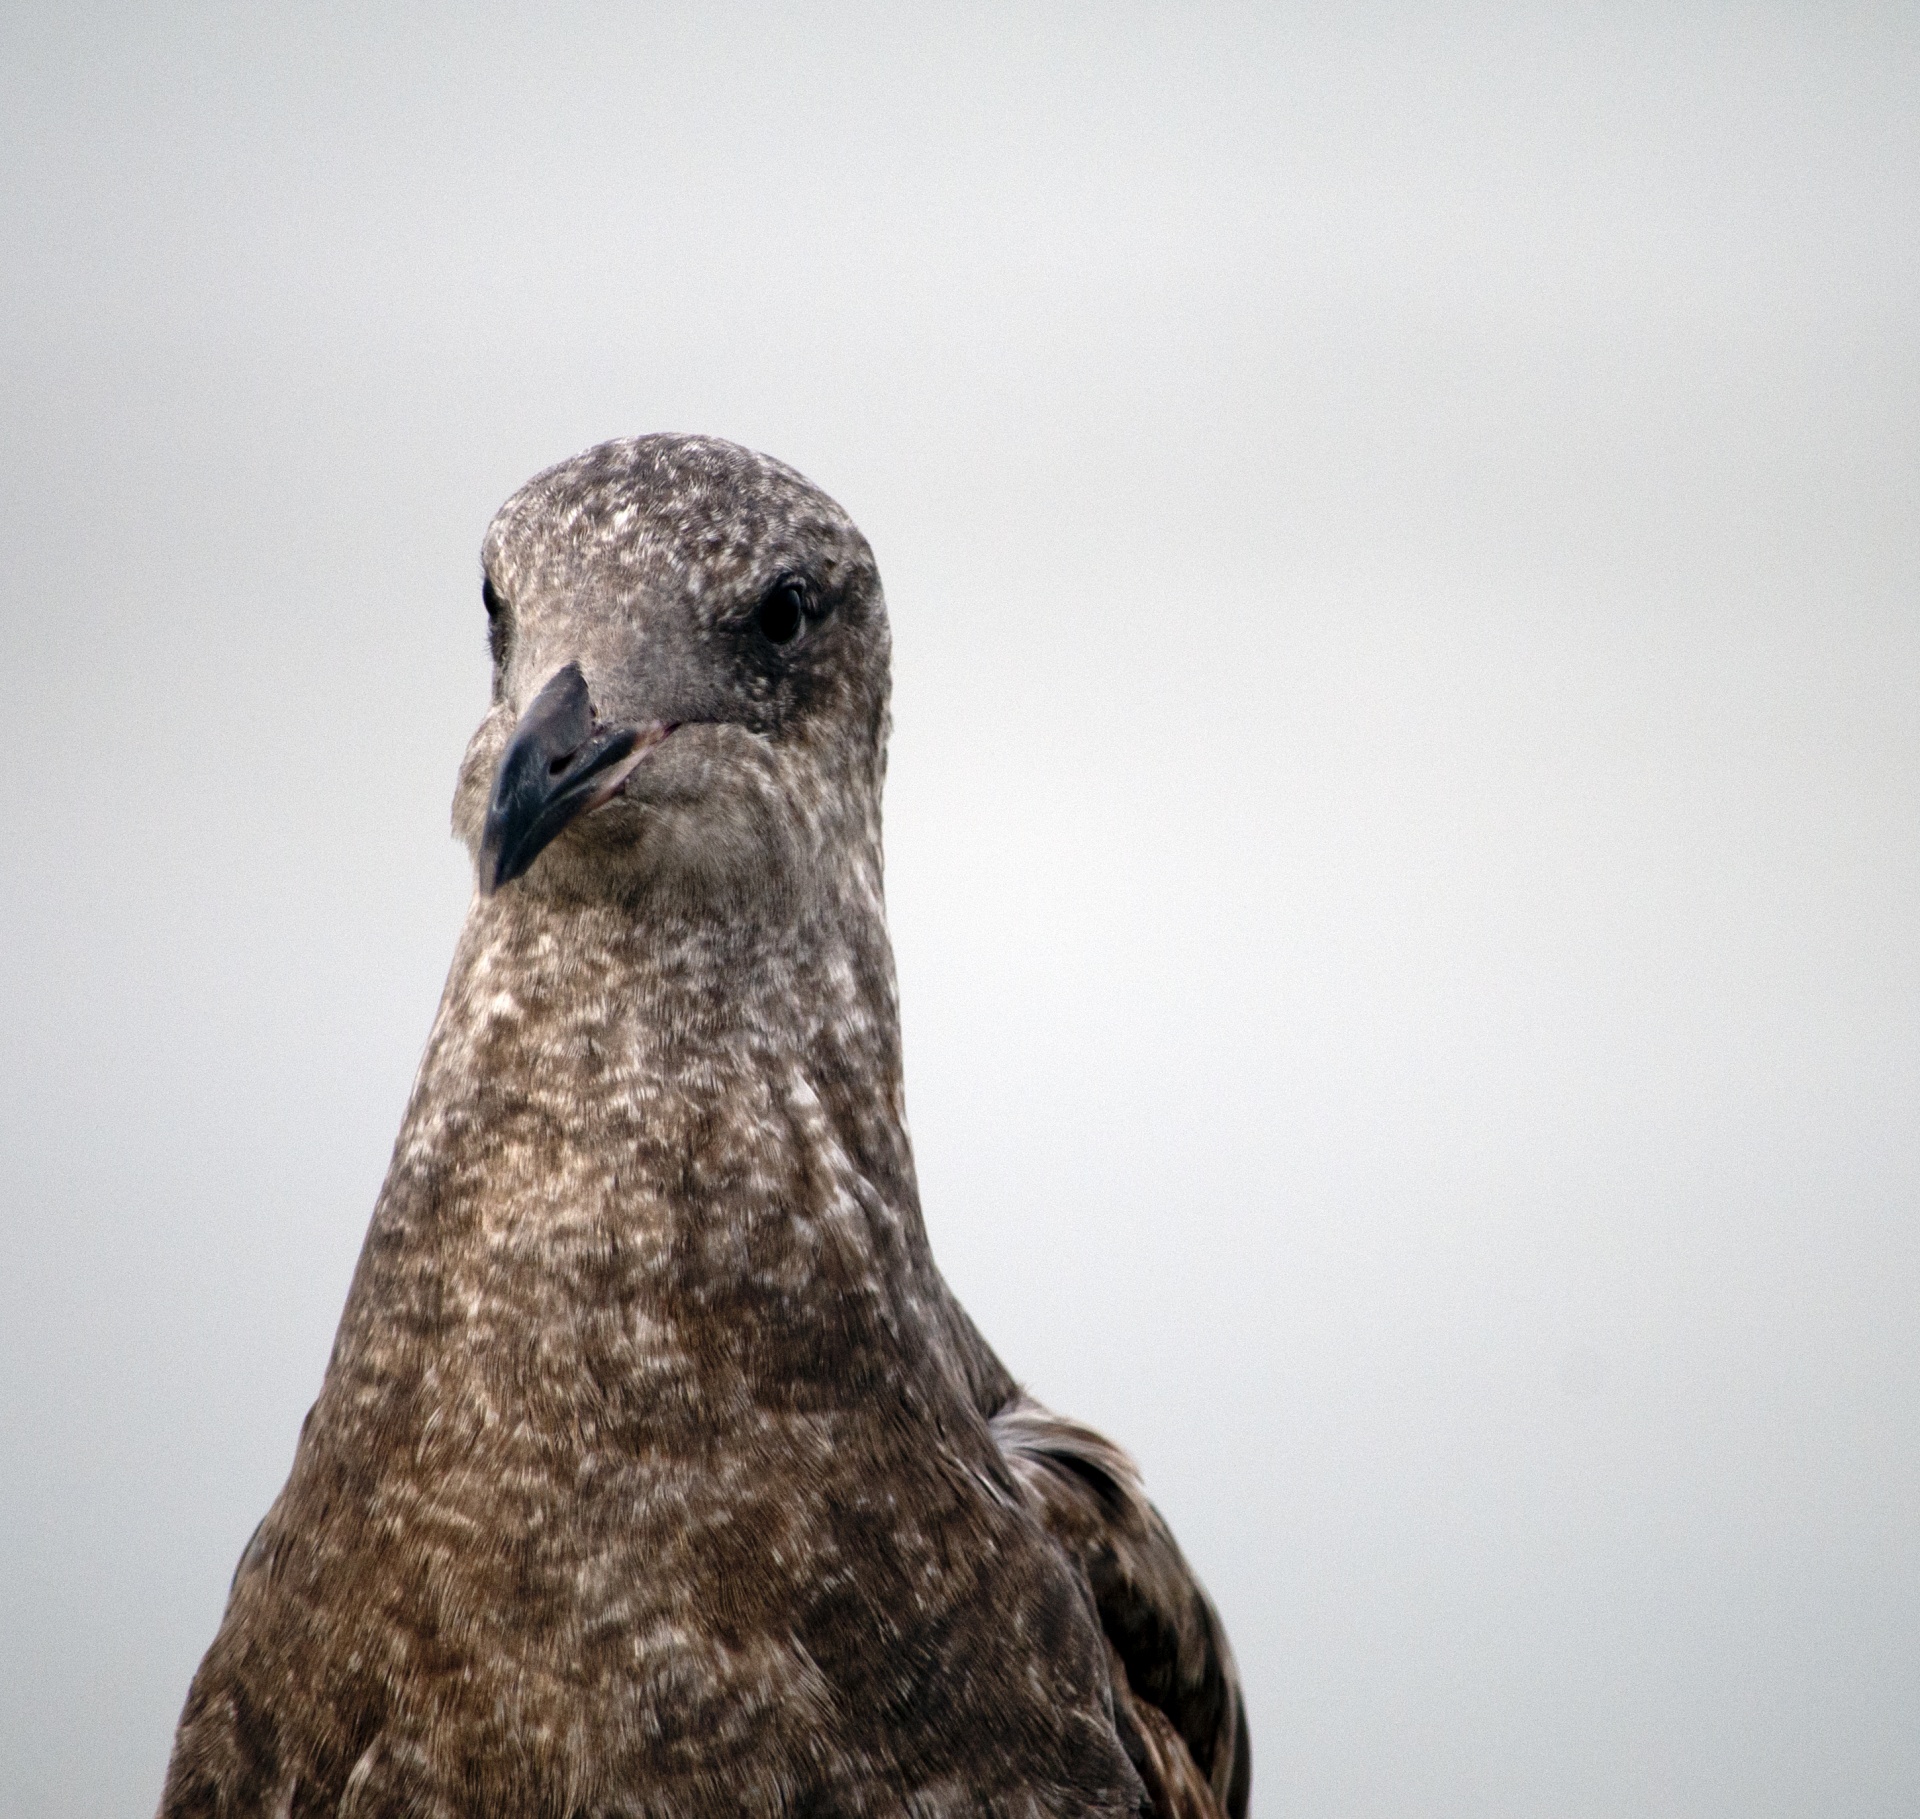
x,y
656,1470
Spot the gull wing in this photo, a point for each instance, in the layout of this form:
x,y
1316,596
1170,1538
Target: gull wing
x,y
1176,1693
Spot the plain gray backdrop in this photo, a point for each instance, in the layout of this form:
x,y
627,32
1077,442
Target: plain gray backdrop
x,y
1401,527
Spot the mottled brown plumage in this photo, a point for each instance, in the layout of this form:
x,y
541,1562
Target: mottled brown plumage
x,y
656,1471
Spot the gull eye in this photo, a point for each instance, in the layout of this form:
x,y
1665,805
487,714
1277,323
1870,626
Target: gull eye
x,y
783,611
497,625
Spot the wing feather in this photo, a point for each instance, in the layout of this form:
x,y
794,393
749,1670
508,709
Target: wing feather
x,y
1176,1692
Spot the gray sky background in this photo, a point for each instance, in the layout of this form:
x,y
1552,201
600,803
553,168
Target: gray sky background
x,y
1401,528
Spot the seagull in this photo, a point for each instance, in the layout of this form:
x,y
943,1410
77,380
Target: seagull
x,y
656,1472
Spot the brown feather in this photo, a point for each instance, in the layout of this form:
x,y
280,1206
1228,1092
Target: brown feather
x,y
1174,1676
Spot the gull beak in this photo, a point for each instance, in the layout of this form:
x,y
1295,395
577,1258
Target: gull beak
x,y
559,764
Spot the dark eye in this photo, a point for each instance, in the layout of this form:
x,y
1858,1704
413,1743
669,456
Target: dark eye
x,y
497,627
782,612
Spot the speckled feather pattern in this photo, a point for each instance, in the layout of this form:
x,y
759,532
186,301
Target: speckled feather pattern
x,y
656,1471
